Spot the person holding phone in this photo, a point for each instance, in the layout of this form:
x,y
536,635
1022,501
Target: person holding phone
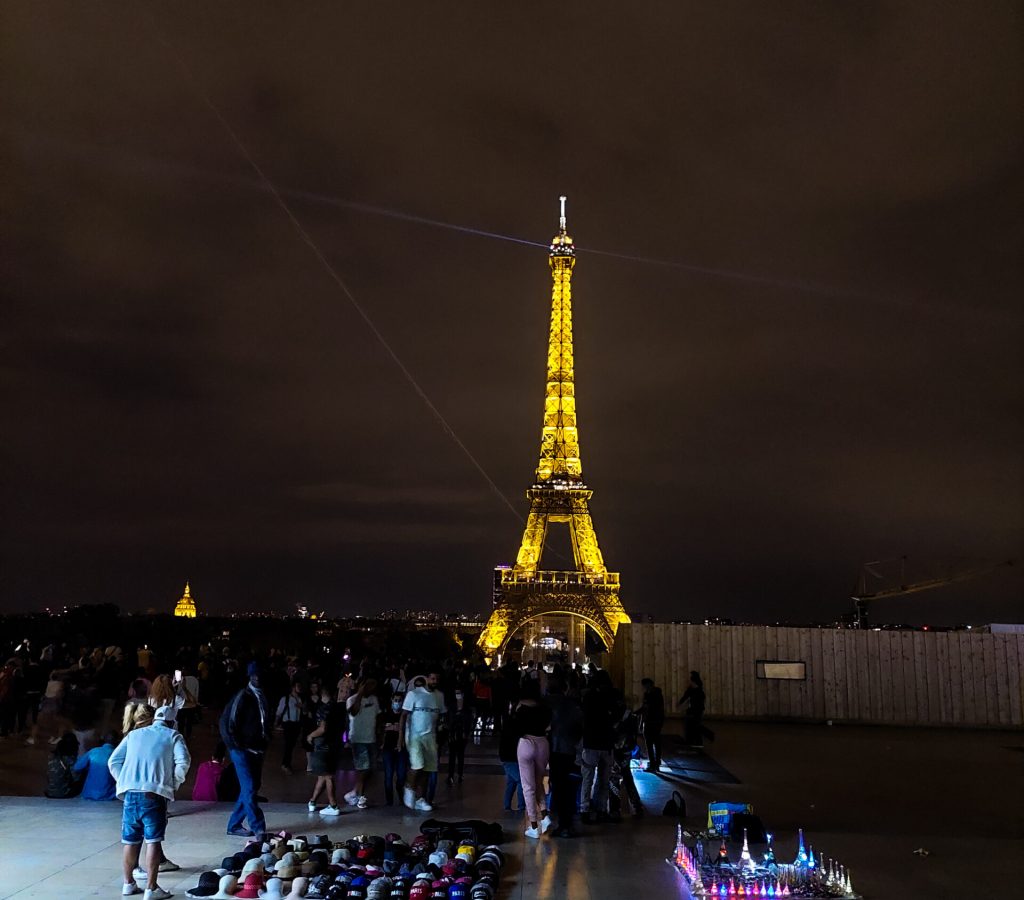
x,y
186,691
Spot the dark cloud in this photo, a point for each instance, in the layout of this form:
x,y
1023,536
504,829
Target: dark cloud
x,y
187,393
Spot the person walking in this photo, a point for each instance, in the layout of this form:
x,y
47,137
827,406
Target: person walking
x,y
533,718
289,720
363,710
421,711
325,741
652,720
148,766
566,733
244,728
598,740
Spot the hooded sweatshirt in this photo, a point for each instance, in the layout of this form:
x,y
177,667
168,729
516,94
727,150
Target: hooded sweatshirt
x,y
152,759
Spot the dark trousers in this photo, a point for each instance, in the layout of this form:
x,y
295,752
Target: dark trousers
x,y
395,766
291,738
694,730
652,737
563,789
456,756
249,768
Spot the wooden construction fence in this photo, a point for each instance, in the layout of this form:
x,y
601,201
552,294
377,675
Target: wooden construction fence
x,y
959,678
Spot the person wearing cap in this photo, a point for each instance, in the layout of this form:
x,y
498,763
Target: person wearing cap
x,y
245,729
149,765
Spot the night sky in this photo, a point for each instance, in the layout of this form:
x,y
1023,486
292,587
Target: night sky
x,y
803,354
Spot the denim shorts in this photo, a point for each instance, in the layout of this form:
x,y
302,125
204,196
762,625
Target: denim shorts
x,y
362,756
144,816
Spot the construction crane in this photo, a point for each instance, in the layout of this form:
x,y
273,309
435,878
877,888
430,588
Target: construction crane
x,y
863,597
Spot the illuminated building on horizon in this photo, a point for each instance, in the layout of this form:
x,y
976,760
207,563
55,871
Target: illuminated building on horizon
x,y
186,605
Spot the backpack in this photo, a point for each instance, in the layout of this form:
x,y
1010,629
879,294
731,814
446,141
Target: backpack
x,y
751,824
675,807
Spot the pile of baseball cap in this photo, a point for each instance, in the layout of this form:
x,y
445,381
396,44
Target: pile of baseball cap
x,y
365,867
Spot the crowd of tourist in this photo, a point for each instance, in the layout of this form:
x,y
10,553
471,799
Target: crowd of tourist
x,y
564,735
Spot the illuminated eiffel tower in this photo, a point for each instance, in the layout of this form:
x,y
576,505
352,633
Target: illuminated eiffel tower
x,y
559,495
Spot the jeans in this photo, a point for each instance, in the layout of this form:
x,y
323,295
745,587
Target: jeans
x,y
597,768
144,816
563,789
395,765
291,737
652,737
533,762
513,784
249,768
456,757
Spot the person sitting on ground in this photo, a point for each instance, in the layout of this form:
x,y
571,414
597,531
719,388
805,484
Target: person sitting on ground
x,y
61,780
209,774
99,785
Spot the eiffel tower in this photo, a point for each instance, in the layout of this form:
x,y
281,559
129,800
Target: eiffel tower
x,y
559,495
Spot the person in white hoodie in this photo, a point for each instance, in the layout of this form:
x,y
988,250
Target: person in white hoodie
x,y
149,765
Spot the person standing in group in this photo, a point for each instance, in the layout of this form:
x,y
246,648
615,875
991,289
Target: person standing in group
x,y
532,719
652,720
461,721
289,720
417,732
566,732
394,761
149,765
363,710
186,689
598,739
694,700
245,730
508,754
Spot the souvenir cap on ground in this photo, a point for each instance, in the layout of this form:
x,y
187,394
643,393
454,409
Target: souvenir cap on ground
x,y
298,890
226,888
209,882
316,888
379,889
274,890
253,866
288,867
252,886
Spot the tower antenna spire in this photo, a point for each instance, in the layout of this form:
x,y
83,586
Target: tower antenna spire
x,y
561,217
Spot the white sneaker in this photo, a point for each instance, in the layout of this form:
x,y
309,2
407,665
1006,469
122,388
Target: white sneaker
x,y
128,890
545,824
157,893
362,802
350,798
409,797
421,805
311,806
532,832
330,811
168,866
140,874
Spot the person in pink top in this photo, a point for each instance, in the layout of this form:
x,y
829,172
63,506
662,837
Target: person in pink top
x,y
209,774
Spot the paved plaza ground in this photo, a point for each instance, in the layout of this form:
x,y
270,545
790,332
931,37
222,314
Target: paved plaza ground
x,y
868,796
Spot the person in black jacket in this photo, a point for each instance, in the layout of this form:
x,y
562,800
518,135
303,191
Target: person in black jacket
x,y
694,699
652,720
599,707
245,729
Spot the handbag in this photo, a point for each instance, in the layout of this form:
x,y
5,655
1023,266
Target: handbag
x,y
675,807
